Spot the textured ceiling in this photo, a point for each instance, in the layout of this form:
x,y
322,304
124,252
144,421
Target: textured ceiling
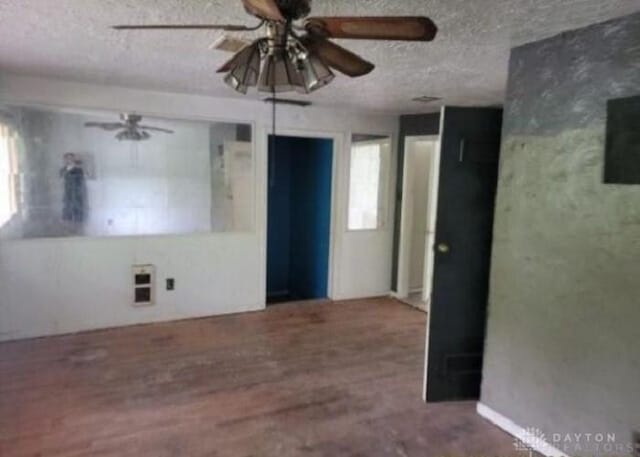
x,y
465,65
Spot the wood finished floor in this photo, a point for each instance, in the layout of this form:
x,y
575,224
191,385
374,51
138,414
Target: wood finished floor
x,y
338,379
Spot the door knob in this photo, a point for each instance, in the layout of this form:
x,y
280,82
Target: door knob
x,y
443,248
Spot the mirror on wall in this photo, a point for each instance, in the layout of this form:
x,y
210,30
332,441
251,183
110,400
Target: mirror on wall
x,y
66,173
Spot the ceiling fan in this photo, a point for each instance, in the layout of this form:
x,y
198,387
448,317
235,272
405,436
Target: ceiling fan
x,y
130,127
296,53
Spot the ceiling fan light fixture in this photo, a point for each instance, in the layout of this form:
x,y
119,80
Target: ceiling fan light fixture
x,y
129,129
279,74
245,70
133,135
314,74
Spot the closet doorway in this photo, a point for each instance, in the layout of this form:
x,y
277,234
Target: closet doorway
x,y
299,218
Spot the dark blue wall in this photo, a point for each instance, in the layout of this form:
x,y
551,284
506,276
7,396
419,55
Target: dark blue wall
x,y
311,165
299,217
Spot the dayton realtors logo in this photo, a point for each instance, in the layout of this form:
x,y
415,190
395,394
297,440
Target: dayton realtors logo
x,y
532,440
586,443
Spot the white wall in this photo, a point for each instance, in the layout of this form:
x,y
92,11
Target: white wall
x,y
64,285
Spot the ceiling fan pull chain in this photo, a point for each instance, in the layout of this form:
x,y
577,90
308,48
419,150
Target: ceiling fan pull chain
x,y
273,133
272,156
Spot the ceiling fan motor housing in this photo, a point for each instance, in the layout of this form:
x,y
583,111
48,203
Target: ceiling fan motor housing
x,y
294,9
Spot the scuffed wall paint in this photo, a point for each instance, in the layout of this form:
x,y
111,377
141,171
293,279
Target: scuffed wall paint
x,y
563,335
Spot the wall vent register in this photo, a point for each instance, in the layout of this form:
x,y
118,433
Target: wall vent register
x,y
143,285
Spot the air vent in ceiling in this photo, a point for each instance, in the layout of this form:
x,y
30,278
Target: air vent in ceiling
x,y
287,101
426,99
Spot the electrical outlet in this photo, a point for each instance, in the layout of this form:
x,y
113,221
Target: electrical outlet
x,y
171,284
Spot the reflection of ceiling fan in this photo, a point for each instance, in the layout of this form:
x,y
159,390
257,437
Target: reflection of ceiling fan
x,y
299,56
130,127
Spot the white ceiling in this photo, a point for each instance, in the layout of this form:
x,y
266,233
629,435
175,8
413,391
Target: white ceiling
x,y
465,65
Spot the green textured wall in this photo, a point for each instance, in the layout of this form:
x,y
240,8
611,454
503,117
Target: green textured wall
x,y
563,338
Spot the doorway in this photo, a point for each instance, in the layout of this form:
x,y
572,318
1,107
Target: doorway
x,y
415,263
298,218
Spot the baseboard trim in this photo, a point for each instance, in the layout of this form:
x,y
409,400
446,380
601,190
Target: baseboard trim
x,y
518,432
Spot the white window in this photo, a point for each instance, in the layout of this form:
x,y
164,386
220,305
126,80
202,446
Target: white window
x,y
8,206
369,174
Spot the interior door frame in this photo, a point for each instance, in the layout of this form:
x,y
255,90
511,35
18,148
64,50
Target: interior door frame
x,y
403,285
337,160
429,252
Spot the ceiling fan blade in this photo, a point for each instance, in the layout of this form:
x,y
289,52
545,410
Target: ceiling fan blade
x,y
409,28
106,125
265,9
338,57
155,129
225,27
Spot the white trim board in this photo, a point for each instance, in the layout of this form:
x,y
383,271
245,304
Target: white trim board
x,y
518,432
